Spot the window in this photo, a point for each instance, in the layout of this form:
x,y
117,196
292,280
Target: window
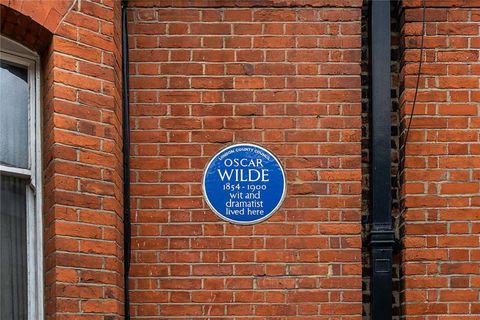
x,y
21,278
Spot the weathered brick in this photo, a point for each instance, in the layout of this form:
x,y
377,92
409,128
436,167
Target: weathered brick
x,y
240,93
446,161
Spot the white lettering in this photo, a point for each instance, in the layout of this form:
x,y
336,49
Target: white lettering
x,y
265,175
244,175
243,162
250,176
225,174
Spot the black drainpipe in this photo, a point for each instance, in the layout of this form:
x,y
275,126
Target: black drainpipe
x,y
382,238
126,158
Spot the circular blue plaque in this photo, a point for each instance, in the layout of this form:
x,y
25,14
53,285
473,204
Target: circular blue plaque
x,y
244,184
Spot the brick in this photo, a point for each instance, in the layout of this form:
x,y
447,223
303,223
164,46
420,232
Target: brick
x,y
460,188
210,28
178,15
273,42
457,29
452,192
274,15
458,82
194,88
82,20
307,55
305,29
77,50
95,40
98,11
99,306
457,109
460,56
212,83
213,56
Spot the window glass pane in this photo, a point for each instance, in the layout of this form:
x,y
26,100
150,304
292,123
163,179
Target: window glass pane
x,y
14,97
13,248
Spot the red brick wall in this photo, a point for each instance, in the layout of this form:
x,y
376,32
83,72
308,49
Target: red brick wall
x,y
287,78
83,208
441,256
79,42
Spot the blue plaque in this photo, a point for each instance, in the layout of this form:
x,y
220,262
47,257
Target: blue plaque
x,y
244,184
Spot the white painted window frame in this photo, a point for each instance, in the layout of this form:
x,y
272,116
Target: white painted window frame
x,y
11,51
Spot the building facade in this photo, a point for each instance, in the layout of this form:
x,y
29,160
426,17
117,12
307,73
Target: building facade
x,y
286,75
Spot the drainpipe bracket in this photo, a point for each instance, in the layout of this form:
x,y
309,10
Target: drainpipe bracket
x,y
382,238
